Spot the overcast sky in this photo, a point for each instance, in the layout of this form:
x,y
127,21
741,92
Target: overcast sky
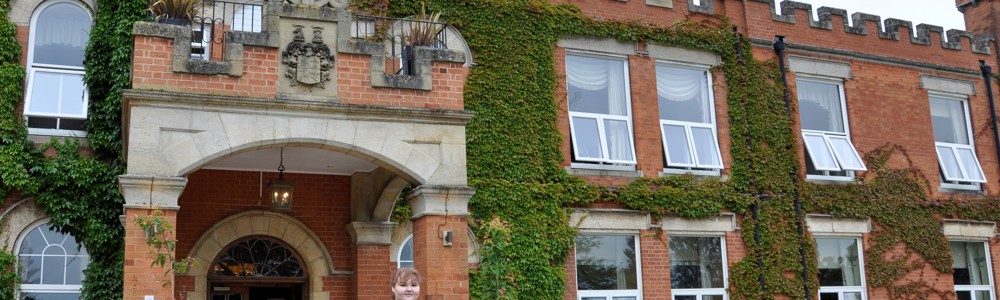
x,y
935,12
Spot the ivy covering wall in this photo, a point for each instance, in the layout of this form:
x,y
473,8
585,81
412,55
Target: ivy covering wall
x,y
76,188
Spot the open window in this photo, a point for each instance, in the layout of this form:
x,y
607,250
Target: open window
x,y
56,97
687,118
600,109
953,141
825,130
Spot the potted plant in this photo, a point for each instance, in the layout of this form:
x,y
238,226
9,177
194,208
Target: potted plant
x,y
177,12
423,32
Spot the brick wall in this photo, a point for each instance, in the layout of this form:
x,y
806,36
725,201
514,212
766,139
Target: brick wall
x,y
322,203
354,83
444,268
140,278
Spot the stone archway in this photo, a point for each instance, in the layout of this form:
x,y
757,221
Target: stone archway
x,y
262,223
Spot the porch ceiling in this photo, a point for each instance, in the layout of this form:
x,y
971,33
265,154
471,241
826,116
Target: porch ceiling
x,y
297,160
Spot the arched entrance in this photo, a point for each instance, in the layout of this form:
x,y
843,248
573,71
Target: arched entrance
x,y
257,268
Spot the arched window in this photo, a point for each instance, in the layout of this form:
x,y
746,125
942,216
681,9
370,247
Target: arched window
x,y
56,97
52,264
257,265
405,258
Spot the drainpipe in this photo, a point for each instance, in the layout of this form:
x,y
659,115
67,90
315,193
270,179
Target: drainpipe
x,y
755,208
779,49
988,77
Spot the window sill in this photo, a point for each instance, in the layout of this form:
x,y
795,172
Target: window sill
x,y
822,179
952,188
579,169
42,136
673,171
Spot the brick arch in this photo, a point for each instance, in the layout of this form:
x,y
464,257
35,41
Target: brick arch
x,y
261,223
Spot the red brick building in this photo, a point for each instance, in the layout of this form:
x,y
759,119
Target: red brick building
x,y
303,94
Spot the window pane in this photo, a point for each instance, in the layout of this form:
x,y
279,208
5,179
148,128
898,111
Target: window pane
x,y
685,298
47,296
248,19
964,295
595,298
45,92
820,107
982,295
683,94
695,262
820,154
619,140
678,150
406,254
852,296
32,268
74,269
971,164
949,164
849,158
606,263
72,95
53,269
839,263
60,35
712,297
948,119
828,296
705,147
624,298
596,85
587,138
969,263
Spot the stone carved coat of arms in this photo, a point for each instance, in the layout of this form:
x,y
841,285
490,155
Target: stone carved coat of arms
x,y
307,63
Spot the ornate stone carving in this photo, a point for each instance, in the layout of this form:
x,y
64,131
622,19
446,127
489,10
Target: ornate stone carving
x,y
308,63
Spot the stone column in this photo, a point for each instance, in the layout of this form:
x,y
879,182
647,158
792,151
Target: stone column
x,y
441,240
143,195
371,263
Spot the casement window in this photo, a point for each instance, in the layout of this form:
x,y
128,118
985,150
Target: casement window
x,y
405,257
52,264
608,267
952,139
687,118
56,97
972,271
841,273
825,131
600,109
697,268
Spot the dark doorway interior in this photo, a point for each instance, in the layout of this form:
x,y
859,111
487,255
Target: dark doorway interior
x,y
275,293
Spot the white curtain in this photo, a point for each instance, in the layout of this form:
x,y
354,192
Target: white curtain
x,y
683,85
952,113
594,74
822,99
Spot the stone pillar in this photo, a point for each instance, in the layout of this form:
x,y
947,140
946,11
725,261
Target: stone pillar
x,y
143,195
441,240
371,262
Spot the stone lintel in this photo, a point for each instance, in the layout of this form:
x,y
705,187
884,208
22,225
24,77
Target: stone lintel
x,y
720,224
947,85
609,220
684,55
371,233
439,200
821,67
834,225
604,45
143,191
969,229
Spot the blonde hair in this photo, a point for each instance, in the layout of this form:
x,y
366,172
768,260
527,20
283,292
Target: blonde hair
x,y
404,275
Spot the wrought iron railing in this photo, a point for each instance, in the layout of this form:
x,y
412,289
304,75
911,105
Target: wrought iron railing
x,y
399,37
213,19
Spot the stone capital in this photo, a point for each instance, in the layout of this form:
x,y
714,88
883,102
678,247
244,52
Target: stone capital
x,y
143,191
440,200
371,233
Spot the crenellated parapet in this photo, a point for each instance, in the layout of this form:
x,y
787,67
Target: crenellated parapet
x,y
888,29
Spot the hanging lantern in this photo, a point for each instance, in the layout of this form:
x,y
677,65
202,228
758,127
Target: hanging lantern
x,y
282,190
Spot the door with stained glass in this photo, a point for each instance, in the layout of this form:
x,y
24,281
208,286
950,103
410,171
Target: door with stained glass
x,y
257,268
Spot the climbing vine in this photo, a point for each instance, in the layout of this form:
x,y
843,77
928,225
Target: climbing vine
x,y
520,209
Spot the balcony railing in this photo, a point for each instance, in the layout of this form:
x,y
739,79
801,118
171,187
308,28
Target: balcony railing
x,y
213,19
400,36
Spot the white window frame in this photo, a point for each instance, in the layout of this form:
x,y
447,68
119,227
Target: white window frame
x,y
602,134
44,288
989,270
949,180
399,254
699,293
712,126
611,294
33,67
205,44
840,290
827,135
